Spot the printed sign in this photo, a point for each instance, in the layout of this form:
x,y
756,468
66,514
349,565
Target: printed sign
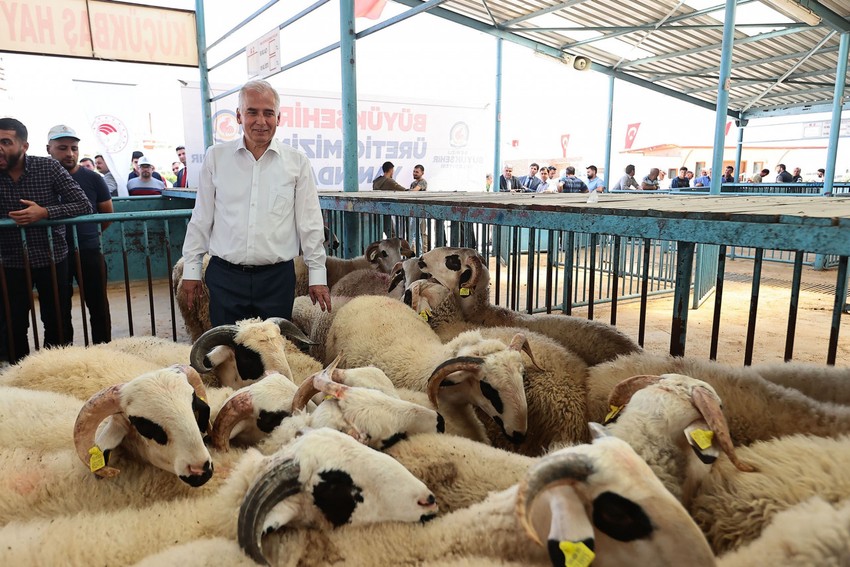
x,y
264,55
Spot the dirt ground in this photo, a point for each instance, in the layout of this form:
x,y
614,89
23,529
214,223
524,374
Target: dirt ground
x,y
814,317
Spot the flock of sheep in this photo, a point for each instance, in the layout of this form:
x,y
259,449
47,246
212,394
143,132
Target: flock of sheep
x,y
417,424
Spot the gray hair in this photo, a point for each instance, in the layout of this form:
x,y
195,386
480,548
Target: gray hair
x,y
260,87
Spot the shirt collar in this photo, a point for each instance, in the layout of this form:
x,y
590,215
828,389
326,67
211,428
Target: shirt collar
x,y
273,146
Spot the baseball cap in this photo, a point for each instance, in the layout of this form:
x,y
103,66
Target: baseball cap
x,y
61,131
144,161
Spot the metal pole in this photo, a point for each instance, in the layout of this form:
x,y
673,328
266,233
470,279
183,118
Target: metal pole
x,y
202,71
351,245
497,157
723,96
608,133
837,103
741,124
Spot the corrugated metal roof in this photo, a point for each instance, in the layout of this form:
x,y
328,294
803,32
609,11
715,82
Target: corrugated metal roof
x,y
777,66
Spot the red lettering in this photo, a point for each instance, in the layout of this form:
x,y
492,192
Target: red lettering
x,y
165,41
85,33
68,29
9,9
100,33
27,25
150,37
119,33
181,48
45,24
134,36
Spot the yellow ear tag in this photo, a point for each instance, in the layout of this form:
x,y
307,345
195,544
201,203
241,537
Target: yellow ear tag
x,y
576,554
329,397
97,460
464,291
615,410
202,399
702,437
424,315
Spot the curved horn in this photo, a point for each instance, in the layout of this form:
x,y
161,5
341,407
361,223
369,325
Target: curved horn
x,y
623,391
397,276
304,394
477,267
567,468
194,380
371,251
710,409
520,342
310,387
469,363
277,482
100,406
221,335
239,407
405,250
291,331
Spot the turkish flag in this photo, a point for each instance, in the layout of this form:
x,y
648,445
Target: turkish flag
x,y
565,141
728,126
631,134
369,8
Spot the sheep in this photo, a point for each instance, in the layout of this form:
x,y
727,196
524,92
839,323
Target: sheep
x,y
162,352
462,270
365,282
32,418
755,408
323,479
822,383
373,417
240,354
380,256
401,344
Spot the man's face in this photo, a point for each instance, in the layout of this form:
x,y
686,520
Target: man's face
x,y
729,171
590,173
417,173
796,171
508,172
683,174
532,171
820,175
101,166
544,174
87,164
66,151
259,118
778,169
653,174
704,173
181,155
175,167
145,172
136,165
12,150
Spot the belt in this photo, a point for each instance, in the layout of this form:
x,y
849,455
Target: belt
x,y
244,268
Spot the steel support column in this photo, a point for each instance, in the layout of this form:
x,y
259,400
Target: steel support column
x,y
206,109
608,133
723,95
351,244
497,134
739,148
837,103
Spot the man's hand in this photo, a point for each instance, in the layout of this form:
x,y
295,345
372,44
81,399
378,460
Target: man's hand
x,y
33,213
322,294
194,291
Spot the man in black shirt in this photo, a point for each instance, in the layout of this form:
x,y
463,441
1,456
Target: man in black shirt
x,y
681,180
782,175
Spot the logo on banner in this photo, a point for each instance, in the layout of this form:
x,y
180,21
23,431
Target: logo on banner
x,y
225,127
565,141
111,131
459,135
631,134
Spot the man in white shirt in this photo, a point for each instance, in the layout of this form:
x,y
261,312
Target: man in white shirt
x,y
257,204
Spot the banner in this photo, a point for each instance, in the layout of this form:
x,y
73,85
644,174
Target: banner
x,y
97,29
114,122
448,140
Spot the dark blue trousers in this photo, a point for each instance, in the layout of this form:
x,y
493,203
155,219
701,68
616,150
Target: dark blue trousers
x,y
240,292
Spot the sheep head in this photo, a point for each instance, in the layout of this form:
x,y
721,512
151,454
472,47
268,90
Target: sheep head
x,y
487,374
325,478
385,254
686,404
160,417
603,503
373,417
254,411
244,352
425,296
405,272
462,270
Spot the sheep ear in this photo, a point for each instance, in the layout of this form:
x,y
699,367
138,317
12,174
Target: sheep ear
x,y
112,433
597,431
283,514
701,439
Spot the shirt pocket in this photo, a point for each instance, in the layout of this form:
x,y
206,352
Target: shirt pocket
x,y
281,200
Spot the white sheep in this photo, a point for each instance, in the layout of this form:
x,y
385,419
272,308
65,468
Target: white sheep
x,y
755,408
380,256
823,383
383,332
323,478
160,351
36,419
463,271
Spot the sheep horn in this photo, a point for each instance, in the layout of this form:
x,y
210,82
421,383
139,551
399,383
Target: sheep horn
x,y
237,408
477,267
405,250
468,363
520,342
563,469
303,394
371,251
291,331
328,386
397,276
710,409
221,335
100,406
277,482
194,379
623,392
310,388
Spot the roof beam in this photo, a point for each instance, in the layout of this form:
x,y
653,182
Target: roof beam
x,y
651,27
801,108
830,18
792,80
806,92
542,12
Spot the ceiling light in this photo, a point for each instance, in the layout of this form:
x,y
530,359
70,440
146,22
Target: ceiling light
x,y
794,10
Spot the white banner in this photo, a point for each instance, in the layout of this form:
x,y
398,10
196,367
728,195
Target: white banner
x,y
114,121
448,140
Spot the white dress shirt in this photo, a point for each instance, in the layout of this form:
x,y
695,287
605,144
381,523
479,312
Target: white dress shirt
x,y
263,223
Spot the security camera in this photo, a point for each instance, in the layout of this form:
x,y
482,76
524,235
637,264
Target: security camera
x,y
581,63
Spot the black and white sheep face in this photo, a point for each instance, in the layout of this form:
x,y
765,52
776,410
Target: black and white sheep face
x,y
160,423
462,270
384,255
376,419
